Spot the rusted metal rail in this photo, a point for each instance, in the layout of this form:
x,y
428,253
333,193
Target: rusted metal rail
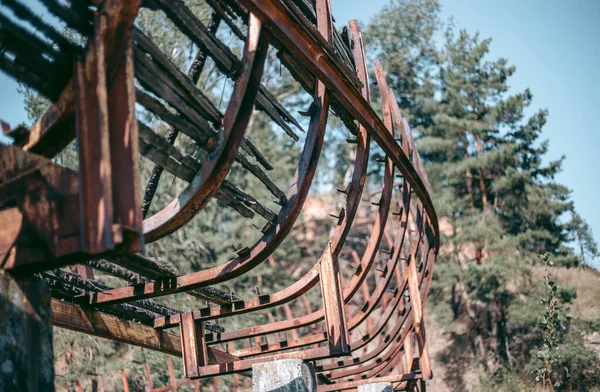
x,y
52,217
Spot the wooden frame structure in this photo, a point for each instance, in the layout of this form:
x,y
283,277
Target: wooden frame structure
x,y
52,217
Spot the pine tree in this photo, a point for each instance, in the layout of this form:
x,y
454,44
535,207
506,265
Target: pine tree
x,y
498,202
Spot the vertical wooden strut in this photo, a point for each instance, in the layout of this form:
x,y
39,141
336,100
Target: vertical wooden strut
x,y
333,303
417,308
107,135
193,345
91,113
408,352
124,152
331,288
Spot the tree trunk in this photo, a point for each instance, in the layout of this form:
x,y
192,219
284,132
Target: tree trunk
x,y
501,334
484,199
469,178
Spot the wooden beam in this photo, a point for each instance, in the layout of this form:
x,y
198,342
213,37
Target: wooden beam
x,y
417,305
333,303
92,322
95,171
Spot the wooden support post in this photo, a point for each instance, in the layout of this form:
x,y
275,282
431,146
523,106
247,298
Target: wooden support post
x,y
333,303
236,382
417,308
408,352
193,345
26,358
172,379
91,112
124,152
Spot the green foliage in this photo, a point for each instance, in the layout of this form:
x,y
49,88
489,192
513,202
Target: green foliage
x,y
504,380
552,331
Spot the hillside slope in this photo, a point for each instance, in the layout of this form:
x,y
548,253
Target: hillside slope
x,y
584,307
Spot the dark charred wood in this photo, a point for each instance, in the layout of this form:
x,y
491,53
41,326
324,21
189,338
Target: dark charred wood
x,y
262,176
116,271
159,82
155,271
266,106
226,14
23,12
184,86
80,21
27,77
230,200
177,123
200,132
249,201
200,60
252,150
185,20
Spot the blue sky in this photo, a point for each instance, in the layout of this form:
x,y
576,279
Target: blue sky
x,y
553,44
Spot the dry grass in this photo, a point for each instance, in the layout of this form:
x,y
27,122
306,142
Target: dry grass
x,y
586,282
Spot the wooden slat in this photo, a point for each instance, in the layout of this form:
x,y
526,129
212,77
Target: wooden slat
x,y
158,150
249,201
263,177
200,132
185,87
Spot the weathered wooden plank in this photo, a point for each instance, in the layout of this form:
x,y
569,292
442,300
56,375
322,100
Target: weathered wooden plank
x,y
158,150
185,20
251,149
333,304
148,135
185,86
156,81
249,201
70,316
200,132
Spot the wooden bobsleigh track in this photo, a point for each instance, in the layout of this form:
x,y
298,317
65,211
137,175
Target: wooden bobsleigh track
x,y
99,217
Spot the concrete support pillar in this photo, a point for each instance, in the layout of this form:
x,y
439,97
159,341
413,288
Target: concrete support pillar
x,y
285,375
26,360
376,387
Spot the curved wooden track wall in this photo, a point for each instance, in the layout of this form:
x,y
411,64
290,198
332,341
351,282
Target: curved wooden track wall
x,y
97,218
